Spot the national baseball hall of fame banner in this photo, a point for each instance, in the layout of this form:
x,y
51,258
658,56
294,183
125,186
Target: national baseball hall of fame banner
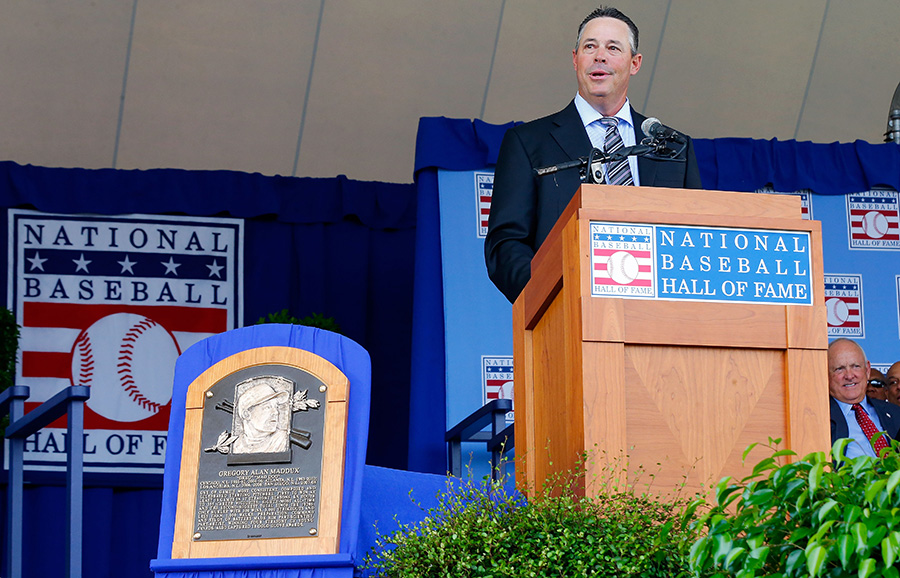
x,y
861,252
111,302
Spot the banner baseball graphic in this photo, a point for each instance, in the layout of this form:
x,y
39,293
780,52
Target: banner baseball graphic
x,y
111,302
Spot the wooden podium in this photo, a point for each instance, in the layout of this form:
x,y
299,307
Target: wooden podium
x,y
686,384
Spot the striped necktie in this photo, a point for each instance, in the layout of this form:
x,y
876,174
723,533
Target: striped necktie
x,y
617,172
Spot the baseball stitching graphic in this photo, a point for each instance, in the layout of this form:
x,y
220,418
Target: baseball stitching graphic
x,y
874,224
836,311
622,267
129,361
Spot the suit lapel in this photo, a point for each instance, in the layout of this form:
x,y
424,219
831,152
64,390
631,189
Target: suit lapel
x,y
839,427
886,417
569,133
646,167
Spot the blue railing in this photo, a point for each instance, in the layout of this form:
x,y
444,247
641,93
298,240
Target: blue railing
x,y
68,401
499,440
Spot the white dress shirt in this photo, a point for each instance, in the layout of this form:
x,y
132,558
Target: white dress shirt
x,y
861,444
597,133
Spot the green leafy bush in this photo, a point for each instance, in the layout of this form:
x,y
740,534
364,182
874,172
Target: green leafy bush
x,y
479,529
9,345
806,518
314,320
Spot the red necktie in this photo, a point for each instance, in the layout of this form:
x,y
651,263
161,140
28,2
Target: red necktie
x,y
868,428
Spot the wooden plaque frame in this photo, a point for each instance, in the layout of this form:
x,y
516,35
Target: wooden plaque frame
x,y
326,541
686,385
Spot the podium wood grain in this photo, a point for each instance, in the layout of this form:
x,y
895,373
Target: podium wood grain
x,y
681,388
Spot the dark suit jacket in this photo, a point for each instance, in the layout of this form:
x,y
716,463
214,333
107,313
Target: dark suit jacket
x,y
888,415
524,207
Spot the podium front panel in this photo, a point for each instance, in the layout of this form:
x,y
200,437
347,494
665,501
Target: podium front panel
x,y
677,388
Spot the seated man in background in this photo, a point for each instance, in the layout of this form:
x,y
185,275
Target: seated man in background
x,y
893,383
853,415
877,385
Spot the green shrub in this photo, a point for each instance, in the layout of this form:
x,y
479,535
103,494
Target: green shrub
x,y
314,320
479,529
806,518
9,345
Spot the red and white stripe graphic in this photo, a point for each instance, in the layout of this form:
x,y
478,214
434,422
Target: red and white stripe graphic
x,y
627,267
59,349
876,224
843,311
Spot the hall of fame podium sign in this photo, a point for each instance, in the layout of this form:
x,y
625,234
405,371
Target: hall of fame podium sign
x,y
716,264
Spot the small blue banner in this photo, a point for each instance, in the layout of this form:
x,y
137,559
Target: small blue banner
x,y
674,262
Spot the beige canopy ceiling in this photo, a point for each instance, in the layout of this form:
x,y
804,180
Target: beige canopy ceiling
x,y
328,87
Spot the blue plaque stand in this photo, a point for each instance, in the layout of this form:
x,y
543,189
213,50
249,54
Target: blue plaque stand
x,y
353,361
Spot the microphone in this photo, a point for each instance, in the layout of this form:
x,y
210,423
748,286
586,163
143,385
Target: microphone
x,y
658,131
582,161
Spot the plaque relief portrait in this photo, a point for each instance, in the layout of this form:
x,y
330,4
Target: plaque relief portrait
x,y
261,431
261,417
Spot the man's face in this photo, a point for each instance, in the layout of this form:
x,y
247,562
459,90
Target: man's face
x,y
848,372
893,384
872,390
604,64
264,416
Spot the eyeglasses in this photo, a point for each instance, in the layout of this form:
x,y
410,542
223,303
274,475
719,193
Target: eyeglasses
x,y
877,383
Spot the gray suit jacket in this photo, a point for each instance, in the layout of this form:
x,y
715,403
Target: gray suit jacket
x,y
524,207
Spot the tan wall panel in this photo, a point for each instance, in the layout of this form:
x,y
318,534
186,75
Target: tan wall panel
x,y
379,68
856,73
746,61
62,78
533,73
217,84
221,84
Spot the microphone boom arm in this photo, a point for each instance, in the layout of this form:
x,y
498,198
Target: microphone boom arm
x,y
591,165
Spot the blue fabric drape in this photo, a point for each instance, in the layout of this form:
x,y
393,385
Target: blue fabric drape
x,y
336,246
727,164
344,354
732,164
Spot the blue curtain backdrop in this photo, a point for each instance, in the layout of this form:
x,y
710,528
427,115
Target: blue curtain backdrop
x,y
335,246
727,164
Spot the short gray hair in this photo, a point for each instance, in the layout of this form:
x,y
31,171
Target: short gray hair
x,y
610,12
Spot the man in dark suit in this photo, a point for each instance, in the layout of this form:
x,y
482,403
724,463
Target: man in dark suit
x,y
524,207
854,415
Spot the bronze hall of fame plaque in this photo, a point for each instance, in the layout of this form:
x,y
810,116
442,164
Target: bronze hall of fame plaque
x,y
260,467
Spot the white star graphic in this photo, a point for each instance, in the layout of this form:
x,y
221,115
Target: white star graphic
x,y
127,265
215,268
171,267
81,263
36,261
